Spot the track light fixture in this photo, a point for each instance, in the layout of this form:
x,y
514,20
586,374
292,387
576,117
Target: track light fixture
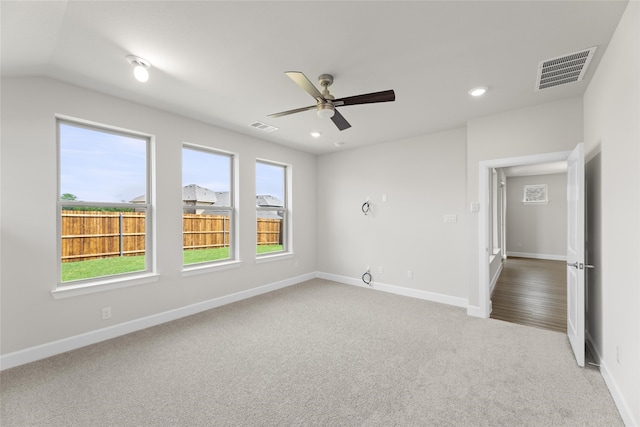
x,y
141,67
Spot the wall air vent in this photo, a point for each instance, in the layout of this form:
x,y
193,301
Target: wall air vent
x,y
264,127
563,69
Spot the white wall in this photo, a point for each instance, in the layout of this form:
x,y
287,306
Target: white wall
x,y
423,179
546,128
30,315
612,145
537,230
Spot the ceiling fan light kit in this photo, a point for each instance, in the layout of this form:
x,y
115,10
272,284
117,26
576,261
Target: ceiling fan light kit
x,y
326,110
326,103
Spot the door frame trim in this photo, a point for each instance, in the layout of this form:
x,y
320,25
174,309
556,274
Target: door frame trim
x,y
484,166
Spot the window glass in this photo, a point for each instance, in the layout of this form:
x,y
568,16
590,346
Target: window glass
x,y
271,207
207,220
103,203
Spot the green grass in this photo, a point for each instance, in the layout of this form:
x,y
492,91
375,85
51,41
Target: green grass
x,y
263,249
101,267
118,265
193,256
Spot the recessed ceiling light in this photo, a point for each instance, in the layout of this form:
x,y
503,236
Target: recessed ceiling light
x,y
141,68
478,91
315,134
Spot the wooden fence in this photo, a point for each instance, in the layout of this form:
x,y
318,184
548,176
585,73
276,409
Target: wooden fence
x,y
269,231
99,234
89,235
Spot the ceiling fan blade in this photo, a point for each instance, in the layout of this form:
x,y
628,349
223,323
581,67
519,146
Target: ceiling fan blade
x,y
369,98
297,110
339,120
302,81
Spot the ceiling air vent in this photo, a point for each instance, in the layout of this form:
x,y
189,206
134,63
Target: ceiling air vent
x,y
263,126
563,69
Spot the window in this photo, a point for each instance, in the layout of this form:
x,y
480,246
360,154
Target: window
x,y
208,205
103,203
272,210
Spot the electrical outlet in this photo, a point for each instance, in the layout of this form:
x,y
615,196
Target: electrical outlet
x,y
409,274
380,269
106,313
618,354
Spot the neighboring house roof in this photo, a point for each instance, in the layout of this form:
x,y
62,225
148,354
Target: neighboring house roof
x,y
195,193
139,199
222,198
269,201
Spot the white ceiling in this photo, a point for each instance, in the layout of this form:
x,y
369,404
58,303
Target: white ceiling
x,y
224,62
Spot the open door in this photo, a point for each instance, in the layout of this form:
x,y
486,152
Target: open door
x,y
575,252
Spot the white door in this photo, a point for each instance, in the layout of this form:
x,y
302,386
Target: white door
x,y
575,252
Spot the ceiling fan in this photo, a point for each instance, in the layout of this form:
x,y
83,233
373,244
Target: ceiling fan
x,y
326,103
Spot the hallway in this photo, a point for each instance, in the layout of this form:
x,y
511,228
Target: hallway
x,y
532,292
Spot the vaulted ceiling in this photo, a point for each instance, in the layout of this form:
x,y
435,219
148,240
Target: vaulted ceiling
x,y
224,62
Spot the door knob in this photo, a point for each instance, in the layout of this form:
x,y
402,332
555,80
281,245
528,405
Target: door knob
x,y
580,266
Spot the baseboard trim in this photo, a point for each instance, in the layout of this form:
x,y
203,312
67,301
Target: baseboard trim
x,y
612,385
398,290
43,351
618,397
537,256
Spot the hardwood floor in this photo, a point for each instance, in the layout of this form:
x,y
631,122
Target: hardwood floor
x,y
532,292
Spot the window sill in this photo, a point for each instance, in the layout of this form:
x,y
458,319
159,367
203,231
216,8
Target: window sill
x,y
195,269
104,284
273,257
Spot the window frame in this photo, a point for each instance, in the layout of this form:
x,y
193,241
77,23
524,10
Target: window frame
x,y
112,281
285,211
233,259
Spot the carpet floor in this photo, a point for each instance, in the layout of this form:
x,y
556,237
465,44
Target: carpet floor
x,y
315,354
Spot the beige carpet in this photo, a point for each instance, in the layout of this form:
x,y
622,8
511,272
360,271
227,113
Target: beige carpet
x,y
318,353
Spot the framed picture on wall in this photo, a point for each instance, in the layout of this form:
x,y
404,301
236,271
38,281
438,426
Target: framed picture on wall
x,y
535,193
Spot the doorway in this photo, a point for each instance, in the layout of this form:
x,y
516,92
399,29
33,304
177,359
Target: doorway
x,y
485,236
575,265
531,288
